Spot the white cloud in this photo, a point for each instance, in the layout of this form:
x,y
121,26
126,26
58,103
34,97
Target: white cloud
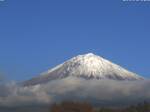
x,y
99,91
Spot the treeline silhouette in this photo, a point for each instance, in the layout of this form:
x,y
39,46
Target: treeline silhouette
x,y
72,107
86,107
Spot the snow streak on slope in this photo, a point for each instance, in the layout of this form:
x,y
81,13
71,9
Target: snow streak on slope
x,y
88,66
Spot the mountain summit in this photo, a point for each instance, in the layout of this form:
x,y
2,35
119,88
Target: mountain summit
x,y
88,66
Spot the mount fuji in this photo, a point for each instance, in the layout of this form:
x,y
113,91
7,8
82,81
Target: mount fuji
x,y
88,66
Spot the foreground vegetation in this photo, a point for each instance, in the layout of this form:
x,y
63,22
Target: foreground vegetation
x,y
86,107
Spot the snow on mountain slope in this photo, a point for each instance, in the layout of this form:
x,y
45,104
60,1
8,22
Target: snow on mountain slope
x,y
88,66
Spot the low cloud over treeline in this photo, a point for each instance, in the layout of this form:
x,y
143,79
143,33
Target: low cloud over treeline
x,y
100,92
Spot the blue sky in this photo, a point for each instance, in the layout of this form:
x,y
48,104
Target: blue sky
x,y
36,35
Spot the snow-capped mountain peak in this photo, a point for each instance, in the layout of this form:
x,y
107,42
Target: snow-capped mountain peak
x,y
88,66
